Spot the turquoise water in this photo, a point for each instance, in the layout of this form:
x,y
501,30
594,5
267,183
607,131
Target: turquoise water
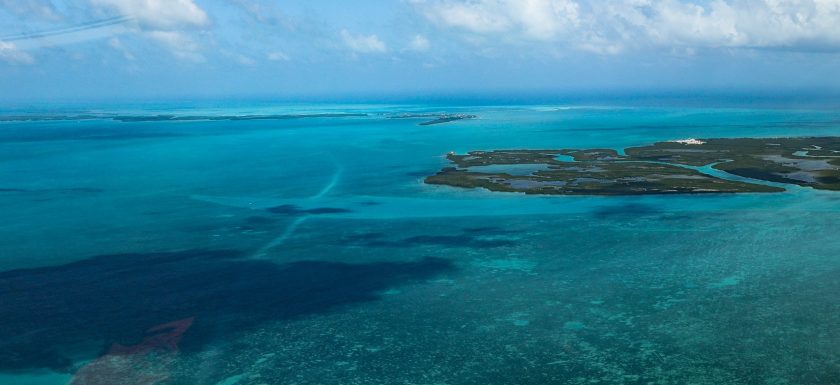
x,y
303,251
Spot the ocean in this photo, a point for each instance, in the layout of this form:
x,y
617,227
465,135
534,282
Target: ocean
x,y
297,244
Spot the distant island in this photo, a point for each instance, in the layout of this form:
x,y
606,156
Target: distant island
x,y
172,118
694,166
436,118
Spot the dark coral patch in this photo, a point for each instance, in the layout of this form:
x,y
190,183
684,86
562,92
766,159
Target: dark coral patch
x,y
48,312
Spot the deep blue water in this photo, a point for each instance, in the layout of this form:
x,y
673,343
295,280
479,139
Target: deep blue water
x,y
308,251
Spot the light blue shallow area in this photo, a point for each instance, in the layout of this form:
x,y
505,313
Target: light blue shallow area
x,y
405,282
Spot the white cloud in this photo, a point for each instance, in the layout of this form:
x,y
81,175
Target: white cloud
x,y
238,57
11,54
169,23
756,24
419,44
245,60
158,14
532,19
37,8
165,22
277,56
179,44
478,17
610,27
363,43
545,19
266,13
116,44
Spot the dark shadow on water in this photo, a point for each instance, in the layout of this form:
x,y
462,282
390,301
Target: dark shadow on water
x,y
64,191
45,312
488,230
296,210
449,241
363,237
457,241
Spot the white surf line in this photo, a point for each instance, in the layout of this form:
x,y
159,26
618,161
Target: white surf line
x,y
290,229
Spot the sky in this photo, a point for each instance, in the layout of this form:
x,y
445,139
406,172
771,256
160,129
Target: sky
x,y
170,49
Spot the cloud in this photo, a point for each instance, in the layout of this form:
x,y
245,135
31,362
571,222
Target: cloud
x,y
168,23
478,17
530,19
545,19
739,24
419,44
116,44
277,56
37,8
158,14
165,22
611,27
11,54
244,60
265,13
362,43
181,45
77,33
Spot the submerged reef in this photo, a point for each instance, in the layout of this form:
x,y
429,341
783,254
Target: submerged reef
x,y
52,316
680,166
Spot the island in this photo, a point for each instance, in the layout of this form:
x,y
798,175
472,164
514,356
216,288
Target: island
x,y
164,118
436,118
687,166
173,118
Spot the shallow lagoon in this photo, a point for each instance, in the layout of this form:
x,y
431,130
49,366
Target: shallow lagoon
x,y
309,251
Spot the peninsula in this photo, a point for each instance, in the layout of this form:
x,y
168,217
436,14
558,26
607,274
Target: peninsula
x,y
744,165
